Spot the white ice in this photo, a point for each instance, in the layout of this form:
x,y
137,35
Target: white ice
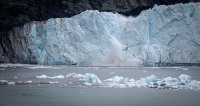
x,y
11,83
182,82
74,75
54,77
29,66
3,81
91,78
29,81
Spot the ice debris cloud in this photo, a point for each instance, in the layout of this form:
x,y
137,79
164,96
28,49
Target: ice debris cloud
x,y
159,35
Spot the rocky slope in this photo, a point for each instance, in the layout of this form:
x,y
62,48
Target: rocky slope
x,y
164,34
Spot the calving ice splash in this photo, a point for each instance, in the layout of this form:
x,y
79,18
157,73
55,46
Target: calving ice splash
x,y
163,34
116,55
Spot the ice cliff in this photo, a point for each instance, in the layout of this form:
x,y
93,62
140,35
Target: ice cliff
x,y
163,34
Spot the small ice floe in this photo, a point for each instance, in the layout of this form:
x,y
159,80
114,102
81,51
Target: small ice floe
x,y
53,82
119,80
184,79
74,75
3,81
42,76
91,78
15,77
70,75
29,82
59,76
87,83
194,85
143,82
11,83
149,79
116,82
78,76
55,77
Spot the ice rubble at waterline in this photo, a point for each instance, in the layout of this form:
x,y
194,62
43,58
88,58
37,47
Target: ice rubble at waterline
x,y
182,82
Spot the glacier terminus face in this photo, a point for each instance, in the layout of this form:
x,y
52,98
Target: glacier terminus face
x,y
163,34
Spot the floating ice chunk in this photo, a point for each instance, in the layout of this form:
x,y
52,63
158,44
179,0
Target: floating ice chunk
x,y
91,78
78,76
116,82
194,85
108,80
132,80
140,83
29,81
170,79
3,81
11,83
53,82
59,76
185,69
74,75
119,80
184,79
88,84
169,83
42,76
70,75
149,79
45,76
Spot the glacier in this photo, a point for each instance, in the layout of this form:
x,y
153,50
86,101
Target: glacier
x,y
163,34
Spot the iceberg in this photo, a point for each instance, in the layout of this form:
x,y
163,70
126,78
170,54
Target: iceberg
x,y
163,34
149,79
184,79
91,78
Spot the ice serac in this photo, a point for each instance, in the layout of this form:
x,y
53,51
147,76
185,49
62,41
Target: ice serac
x,y
163,34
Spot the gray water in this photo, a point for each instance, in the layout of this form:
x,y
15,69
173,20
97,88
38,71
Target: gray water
x,y
64,94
